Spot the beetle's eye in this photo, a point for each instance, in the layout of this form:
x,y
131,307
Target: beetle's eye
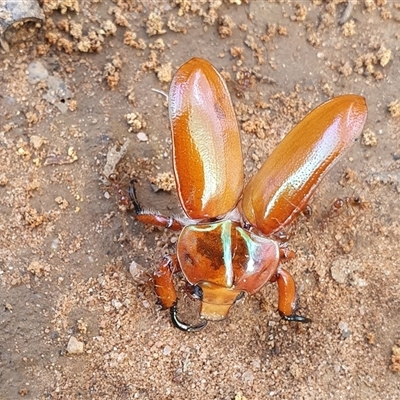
x,y
240,296
246,225
197,292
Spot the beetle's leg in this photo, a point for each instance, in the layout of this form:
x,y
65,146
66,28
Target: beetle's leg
x,y
287,301
149,217
133,197
163,284
338,204
166,293
152,218
115,184
183,326
285,254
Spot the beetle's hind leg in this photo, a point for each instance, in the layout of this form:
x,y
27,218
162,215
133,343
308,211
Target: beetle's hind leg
x,y
287,302
166,293
151,217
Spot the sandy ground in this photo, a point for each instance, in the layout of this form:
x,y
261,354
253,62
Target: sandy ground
x,y
74,322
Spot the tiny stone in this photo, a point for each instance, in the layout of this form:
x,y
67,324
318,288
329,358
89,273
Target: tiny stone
x,y
116,304
75,346
36,142
343,325
167,351
344,329
138,272
54,244
248,376
360,282
37,72
146,304
142,137
338,272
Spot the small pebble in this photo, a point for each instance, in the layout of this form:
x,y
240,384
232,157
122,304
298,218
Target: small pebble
x,y
248,376
37,72
142,137
74,346
167,351
36,141
344,329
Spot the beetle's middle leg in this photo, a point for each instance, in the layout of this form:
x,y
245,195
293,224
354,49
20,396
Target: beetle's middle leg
x,y
287,297
151,217
166,293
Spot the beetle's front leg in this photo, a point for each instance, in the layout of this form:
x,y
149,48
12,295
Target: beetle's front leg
x,y
287,297
166,293
151,217
163,283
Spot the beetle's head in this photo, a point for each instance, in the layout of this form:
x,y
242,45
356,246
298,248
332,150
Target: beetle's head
x,y
216,300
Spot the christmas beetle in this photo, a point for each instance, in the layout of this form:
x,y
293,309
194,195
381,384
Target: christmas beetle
x,y
231,236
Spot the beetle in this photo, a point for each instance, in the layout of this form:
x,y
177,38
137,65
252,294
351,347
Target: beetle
x,y
231,239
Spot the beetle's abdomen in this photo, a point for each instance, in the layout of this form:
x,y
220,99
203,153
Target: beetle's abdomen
x,y
226,255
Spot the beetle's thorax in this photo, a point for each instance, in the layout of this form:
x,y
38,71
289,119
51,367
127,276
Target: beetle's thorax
x,y
224,259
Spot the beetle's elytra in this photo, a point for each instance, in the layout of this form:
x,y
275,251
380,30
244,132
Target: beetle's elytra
x,y
229,243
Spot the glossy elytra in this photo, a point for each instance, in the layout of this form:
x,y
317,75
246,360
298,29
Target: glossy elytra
x,y
229,241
